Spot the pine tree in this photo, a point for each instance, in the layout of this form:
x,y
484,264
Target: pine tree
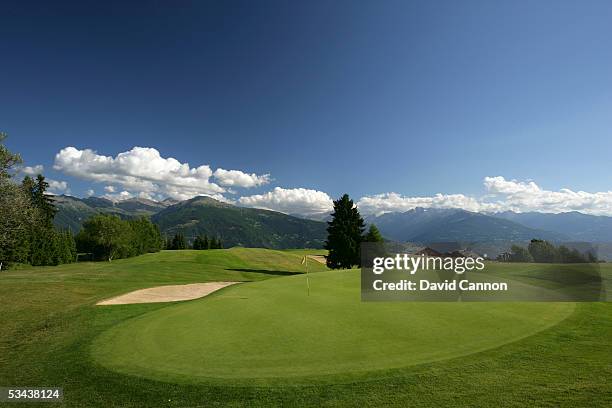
x,y
71,251
215,243
29,186
40,198
46,243
199,243
345,232
178,242
205,243
44,247
373,235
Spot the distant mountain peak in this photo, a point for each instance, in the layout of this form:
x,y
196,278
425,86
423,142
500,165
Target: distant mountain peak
x,y
98,202
206,200
170,201
139,200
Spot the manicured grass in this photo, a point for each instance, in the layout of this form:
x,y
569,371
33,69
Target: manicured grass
x,y
49,324
272,332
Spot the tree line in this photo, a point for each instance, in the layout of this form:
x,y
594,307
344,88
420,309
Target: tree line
x,y
27,233
108,237
200,242
542,251
28,236
345,233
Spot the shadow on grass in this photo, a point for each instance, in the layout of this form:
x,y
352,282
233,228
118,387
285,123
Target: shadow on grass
x,y
265,271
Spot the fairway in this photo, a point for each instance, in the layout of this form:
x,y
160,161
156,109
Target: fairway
x,y
264,342
271,332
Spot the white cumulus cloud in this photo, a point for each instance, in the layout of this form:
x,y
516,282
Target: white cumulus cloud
x,y
501,195
237,178
32,170
306,202
123,195
393,202
142,171
58,187
523,196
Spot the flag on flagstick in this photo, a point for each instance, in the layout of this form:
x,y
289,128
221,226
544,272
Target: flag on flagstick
x,y
305,262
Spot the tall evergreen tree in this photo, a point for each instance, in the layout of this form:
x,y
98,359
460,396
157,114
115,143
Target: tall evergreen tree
x,y
43,247
29,186
37,189
373,234
46,244
215,243
205,243
200,243
178,242
345,234
44,201
70,247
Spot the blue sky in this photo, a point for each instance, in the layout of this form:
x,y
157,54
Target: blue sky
x,y
368,98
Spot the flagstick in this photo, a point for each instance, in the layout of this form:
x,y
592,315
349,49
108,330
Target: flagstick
x,y
307,280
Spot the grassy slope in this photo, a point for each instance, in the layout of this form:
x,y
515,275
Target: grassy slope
x,y
48,323
240,226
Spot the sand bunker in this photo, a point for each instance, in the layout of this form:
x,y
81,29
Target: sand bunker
x,y
318,258
169,293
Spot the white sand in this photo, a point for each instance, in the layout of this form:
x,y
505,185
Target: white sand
x,y
318,258
169,293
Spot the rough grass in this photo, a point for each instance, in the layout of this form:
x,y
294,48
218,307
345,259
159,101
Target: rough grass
x,y
48,323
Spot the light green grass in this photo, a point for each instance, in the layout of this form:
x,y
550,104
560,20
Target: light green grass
x,y
48,323
271,332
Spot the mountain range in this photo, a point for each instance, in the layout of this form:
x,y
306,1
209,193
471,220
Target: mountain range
x,y
427,225
494,233
575,225
235,225
249,227
73,211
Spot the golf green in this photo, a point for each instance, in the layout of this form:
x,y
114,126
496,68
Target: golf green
x,y
272,332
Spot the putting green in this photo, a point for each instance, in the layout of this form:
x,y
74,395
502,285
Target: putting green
x,y
271,331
